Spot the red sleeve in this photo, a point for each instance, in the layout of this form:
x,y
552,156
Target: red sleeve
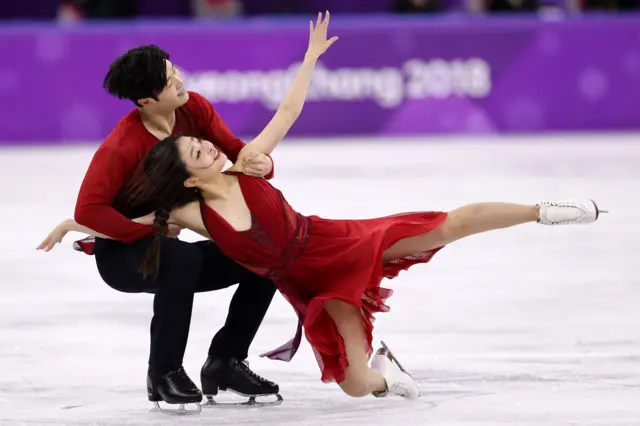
x,y
104,178
216,130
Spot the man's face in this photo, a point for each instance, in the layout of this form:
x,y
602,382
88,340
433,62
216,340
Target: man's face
x,y
174,94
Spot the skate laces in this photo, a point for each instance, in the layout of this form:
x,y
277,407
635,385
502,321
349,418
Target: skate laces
x,y
244,365
546,219
181,379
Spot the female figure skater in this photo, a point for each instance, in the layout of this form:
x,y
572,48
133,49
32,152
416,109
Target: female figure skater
x,y
329,270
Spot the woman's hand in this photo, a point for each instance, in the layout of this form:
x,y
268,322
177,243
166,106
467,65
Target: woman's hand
x,y
56,236
318,43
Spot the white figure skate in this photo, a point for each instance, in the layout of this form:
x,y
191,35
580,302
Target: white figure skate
x,y
398,381
569,212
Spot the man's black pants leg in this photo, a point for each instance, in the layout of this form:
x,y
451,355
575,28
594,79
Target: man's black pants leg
x,y
248,306
186,268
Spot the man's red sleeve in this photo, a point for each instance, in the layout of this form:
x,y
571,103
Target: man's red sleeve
x,y
104,178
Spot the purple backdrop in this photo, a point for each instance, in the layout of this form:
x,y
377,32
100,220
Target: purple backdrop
x,y
46,9
385,76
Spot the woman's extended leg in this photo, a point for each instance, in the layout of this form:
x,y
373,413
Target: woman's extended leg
x,y
482,217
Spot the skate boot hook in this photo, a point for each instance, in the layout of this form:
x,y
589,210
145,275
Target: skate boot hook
x,y
235,376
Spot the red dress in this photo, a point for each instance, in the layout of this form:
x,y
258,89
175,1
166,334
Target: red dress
x,y
312,260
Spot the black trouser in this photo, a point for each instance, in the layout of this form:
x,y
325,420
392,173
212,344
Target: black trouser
x,y
187,268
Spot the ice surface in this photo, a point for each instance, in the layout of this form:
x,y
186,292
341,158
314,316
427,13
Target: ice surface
x,y
529,326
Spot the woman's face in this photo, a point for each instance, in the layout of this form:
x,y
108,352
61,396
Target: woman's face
x,y
201,158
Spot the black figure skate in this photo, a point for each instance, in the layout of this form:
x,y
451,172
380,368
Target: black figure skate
x,y
175,388
236,376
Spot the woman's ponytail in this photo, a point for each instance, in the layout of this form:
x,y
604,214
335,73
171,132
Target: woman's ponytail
x,y
151,264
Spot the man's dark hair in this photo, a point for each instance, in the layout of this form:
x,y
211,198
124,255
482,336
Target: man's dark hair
x,y
139,73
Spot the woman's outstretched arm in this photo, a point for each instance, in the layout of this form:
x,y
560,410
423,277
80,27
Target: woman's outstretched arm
x,y
291,106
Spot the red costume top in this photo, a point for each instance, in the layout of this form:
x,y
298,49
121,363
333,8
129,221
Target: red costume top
x,y
116,160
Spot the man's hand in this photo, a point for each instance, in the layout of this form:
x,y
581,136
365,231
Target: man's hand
x,y
174,230
256,165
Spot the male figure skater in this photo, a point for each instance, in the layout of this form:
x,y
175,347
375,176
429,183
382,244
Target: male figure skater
x,y
146,76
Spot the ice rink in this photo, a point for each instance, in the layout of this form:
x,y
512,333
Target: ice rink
x,y
527,326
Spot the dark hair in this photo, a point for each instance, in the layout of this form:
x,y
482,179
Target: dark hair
x,y
139,73
162,185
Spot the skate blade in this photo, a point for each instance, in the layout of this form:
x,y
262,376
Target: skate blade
x,y
598,210
180,411
252,402
392,357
